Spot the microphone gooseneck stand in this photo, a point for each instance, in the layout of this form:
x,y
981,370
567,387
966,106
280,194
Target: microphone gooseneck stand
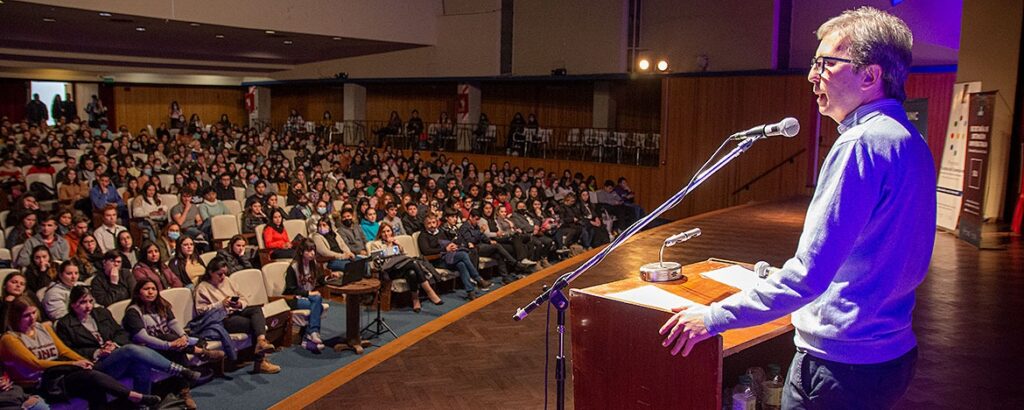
x,y
555,293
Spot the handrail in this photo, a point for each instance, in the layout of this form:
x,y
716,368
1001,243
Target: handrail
x,y
788,160
608,145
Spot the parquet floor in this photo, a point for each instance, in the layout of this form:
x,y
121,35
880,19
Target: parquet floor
x,y
969,334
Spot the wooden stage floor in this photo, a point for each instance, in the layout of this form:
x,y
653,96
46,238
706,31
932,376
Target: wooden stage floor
x,y
965,320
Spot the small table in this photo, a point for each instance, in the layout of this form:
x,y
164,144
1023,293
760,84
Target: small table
x,y
353,339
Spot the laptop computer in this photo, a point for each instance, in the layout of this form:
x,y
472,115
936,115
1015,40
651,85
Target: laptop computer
x,y
355,271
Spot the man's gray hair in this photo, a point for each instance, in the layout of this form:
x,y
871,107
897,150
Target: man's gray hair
x,y
875,37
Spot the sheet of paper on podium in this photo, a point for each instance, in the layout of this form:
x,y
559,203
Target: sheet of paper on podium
x,y
736,276
652,296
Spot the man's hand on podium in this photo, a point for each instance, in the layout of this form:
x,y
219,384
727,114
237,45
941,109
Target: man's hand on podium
x,y
685,329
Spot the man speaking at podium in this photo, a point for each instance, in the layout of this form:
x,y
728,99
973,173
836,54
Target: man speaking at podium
x,y
867,238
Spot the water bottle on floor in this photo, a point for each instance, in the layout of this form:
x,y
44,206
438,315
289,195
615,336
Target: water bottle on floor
x,y
743,397
757,377
772,388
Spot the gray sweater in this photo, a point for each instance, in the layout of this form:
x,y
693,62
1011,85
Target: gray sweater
x,y
866,246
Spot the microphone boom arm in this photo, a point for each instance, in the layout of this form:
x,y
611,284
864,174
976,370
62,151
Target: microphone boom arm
x,y
568,277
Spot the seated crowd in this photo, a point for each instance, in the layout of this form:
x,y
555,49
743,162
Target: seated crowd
x,y
354,203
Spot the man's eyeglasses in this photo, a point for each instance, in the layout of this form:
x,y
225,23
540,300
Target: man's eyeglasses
x,y
818,64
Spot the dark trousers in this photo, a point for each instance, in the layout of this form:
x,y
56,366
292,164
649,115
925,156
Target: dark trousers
x,y
249,320
93,386
815,383
520,244
498,253
567,235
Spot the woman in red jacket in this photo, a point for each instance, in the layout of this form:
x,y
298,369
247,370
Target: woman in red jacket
x,y
276,238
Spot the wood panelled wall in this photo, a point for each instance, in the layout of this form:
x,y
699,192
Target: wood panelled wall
x,y
637,104
136,106
568,104
565,104
310,101
429,99
699,112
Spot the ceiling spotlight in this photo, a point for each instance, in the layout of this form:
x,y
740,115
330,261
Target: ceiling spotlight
x,y
644,64
270,32
220,36
140,28
288,42
194,24
104,14
49,19
662,65
336,38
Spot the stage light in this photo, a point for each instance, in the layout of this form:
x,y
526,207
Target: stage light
x,y
644,64
662,65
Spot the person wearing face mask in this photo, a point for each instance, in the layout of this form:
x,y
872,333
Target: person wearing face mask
x,y
352,233
301,210
168,242
330,245
528,223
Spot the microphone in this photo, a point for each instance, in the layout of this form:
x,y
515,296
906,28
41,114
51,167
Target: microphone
x,y
763,269
788,128
682,237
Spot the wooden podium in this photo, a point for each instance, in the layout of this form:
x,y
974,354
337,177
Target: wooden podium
x,y
618,361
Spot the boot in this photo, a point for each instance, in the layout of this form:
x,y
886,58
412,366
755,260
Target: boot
x,y
210,355
263,365
263,346
189,375
186,396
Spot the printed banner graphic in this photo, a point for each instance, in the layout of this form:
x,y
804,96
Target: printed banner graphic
x,y
951,170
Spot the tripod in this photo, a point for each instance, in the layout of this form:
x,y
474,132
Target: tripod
x,y
378,326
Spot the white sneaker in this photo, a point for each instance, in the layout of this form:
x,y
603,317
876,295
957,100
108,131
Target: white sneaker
x,y
527,262
315,336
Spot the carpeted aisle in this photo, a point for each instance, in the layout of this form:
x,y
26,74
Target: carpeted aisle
x,y
300,367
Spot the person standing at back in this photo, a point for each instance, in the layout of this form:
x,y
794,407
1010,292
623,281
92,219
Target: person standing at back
x,y
867,238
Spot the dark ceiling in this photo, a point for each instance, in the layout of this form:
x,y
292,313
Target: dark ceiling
x,y
192,46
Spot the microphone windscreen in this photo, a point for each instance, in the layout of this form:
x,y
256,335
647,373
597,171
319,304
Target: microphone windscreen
x,y
789,127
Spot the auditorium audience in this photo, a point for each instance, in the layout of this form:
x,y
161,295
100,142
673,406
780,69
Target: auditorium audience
x,y
34,356
347,196
90,331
